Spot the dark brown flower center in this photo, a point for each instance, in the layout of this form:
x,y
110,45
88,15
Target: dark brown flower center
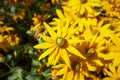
x,y
75,66
83,1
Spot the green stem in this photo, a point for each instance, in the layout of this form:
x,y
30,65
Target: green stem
x,y
7,65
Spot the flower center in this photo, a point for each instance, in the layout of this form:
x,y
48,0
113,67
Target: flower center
x,y
83,1
75,66
90,52
60,41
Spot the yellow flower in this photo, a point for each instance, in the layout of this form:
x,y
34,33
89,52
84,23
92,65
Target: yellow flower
x,y
95,46
19,15
12,39
111,8
82,6
58,1
113,73
38,21
116,51
78,71
3,43
58,44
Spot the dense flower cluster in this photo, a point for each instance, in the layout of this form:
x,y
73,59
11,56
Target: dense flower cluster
x,y
7,38
60,40
83,42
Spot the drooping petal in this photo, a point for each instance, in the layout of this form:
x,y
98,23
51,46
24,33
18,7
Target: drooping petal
x,y
74,51
46,53
65,57
52,56
57,56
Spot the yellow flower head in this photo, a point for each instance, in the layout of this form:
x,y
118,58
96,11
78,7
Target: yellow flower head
x,y
58,44
83,6
78,71
112,72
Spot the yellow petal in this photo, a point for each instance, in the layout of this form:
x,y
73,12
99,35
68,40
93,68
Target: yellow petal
x,y
82,76
118,70
65,28
65,57
76,76
46,53
116,60
46,38
108,78
50,30
98,62
52,57
70,75
74,51
1,38
82,9
112,69
59,13
89,9
62,71
43,45
70,34
57,56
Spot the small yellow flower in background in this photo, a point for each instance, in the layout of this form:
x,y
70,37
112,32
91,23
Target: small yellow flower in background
x,y
39,19
7,38
38,24
58,44
3,43
1,22
12,39
58,1
45,6
112,72
19,15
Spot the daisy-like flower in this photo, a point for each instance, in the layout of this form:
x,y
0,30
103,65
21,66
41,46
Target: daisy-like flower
x,y
95,47
83,5
58,44
113,73
12,39
38,22
78,71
